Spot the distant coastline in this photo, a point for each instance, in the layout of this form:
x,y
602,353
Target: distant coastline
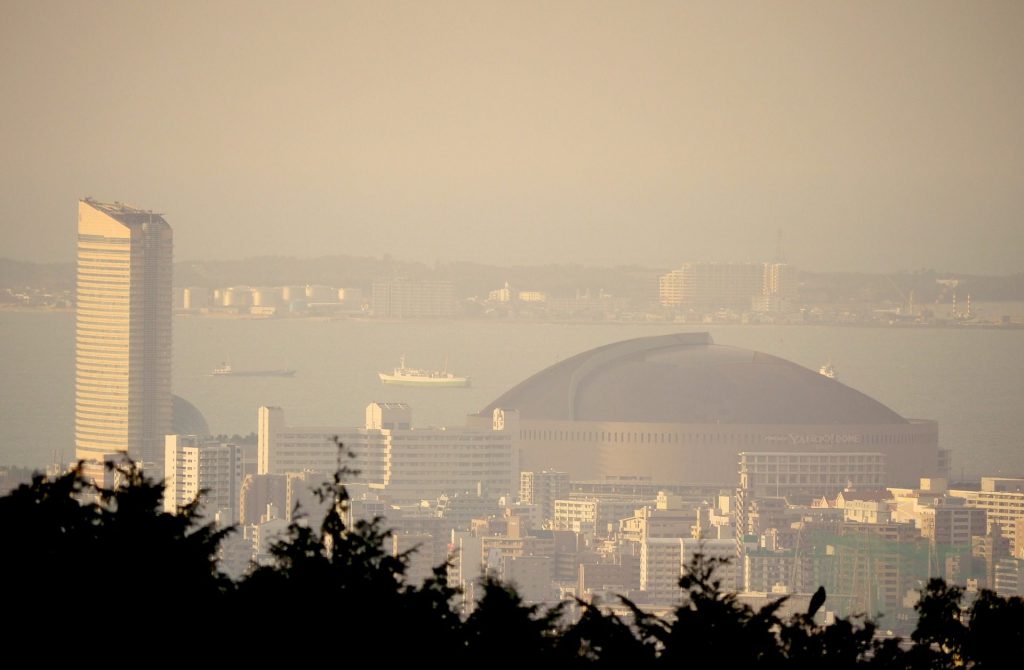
x,y
1016,321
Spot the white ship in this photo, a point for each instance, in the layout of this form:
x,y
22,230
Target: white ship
x,y
403,376
827,370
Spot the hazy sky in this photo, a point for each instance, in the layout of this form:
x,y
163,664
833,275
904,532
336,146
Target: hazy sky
x,y
877,135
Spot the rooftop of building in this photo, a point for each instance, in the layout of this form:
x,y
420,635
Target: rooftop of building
x,y
385,404
123,212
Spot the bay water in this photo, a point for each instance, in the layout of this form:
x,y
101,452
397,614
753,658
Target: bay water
x,y
971,380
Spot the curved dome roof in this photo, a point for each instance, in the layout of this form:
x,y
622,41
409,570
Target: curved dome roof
x,y
186,418
687,378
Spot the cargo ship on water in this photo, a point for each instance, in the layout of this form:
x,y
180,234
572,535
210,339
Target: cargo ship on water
x,y
225,370
403,376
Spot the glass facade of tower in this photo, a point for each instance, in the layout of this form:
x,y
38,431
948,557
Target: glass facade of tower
x,y
122,334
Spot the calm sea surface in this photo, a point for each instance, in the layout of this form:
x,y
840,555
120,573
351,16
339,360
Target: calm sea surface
x,y
970,380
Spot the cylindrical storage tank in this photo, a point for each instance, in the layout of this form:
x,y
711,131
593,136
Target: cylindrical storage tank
x,y
179,298
197,297
353,297
238,296
266,297
320,293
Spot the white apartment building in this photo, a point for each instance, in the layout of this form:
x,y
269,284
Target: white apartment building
x,y
865,511
730,573
647,521
407,298
593,516
660,561
192,465
1004,504
663,560
404,463
740,285
541,489
465,566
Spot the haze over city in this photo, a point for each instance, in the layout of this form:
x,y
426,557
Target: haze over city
x,y
878,136
538,334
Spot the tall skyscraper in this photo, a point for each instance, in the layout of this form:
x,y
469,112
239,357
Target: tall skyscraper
x,y
122,335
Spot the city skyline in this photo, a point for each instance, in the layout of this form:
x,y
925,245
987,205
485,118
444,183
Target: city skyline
x,y
734,293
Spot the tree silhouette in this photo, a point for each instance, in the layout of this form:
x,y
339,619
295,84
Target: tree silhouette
x,y
996,630
110,567
712,625
940,633
848,643
525,634
112,554
602,639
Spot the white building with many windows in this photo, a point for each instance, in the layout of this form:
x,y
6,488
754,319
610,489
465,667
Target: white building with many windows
x,y
664,560
388,454
1002,499
192,465
123,309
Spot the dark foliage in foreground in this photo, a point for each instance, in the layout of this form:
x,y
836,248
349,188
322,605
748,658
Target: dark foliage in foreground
x,y
88,571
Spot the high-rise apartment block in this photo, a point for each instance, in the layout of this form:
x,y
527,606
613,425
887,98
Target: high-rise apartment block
x,y
663,560
761,286
542,489
1003,500
122,335
192,466
402,463
405,298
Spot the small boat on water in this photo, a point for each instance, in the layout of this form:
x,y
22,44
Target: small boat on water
x,y
827,370
403,376
225,370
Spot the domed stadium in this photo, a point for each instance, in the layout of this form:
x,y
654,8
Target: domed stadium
x,y
680,408
186,418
